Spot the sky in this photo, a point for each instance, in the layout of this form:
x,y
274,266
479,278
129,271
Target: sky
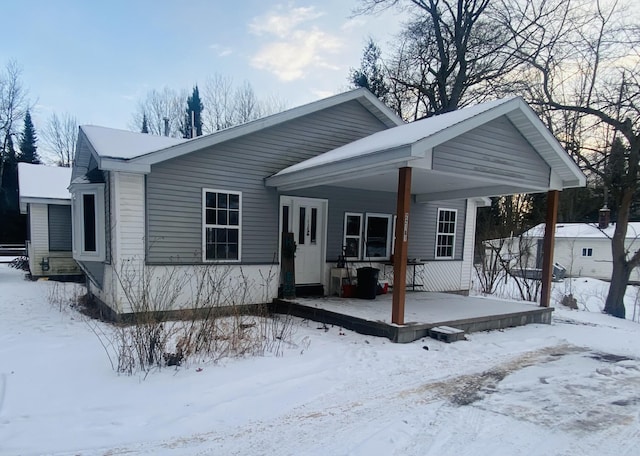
x,y
96,59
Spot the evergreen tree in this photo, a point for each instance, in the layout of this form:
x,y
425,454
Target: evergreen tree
x,y
371,74
28,149
145,124
193,114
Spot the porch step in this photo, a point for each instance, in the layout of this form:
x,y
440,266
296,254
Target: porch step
x,y
446,333
309,291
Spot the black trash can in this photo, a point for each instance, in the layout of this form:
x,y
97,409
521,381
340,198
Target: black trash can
x,y
367,283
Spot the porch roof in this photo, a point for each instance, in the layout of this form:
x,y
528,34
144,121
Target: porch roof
x,y
371,163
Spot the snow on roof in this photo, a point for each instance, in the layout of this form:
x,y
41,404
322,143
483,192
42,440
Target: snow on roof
x,y
41,181
403,135
584,230
114,143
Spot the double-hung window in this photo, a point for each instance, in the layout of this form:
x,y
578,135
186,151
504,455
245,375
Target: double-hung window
x,y
222,216
446,233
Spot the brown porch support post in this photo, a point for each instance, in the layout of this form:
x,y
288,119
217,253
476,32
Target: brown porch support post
x,y
548,245
400,254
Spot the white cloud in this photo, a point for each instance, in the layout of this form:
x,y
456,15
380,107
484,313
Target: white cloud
x,y
295,50
221,51
353,23
282,25
292,59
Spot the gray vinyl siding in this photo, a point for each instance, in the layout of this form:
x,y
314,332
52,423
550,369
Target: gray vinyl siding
x,y
95,271
494,149
422,220
174,187
59,228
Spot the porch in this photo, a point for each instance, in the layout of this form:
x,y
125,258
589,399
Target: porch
x,y
423,311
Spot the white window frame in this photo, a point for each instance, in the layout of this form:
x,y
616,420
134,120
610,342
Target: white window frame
x,y
351,236
389,242
453,235
78,231
587,252
205,225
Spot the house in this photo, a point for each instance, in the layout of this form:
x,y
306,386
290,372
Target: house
x,y
162,216
45,200
583,249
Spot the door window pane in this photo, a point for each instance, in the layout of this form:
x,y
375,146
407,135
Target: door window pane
x,y
301,225
314,225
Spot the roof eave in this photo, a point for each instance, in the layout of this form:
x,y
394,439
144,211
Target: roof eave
x,y
332,172
270,121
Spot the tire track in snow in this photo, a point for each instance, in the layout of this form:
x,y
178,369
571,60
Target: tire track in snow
x,y
327,429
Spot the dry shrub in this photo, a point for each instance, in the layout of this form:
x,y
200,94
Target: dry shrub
x,y
217,324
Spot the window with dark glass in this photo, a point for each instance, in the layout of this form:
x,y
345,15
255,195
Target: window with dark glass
x,y
222,225
89,222
378,236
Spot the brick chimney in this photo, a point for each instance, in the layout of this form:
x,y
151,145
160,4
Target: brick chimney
x,y
603,219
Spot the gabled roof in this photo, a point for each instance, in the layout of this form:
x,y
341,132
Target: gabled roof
x,y
583,231
412,145
123,144
43,184
125,150
404,135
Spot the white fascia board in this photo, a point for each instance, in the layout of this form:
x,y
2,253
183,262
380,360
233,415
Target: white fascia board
x,y
386,110
58,201
361,166
203,142
476,192
130,166
426,157
482,201
466,125
555,181
572,167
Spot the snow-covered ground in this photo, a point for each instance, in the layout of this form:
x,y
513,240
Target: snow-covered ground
x,y
570,388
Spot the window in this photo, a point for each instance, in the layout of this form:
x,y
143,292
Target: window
x,y
222,216
372,242
378,236
446,233
59,217
352,235
88,213
587,252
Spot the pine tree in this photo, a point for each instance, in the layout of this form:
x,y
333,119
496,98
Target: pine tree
x,y
145,124
194,108
28,149
371,74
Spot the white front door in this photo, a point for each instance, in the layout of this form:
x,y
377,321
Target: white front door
x,y
306,219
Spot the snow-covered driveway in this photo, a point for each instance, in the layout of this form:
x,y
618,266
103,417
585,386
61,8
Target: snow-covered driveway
x,y
571,388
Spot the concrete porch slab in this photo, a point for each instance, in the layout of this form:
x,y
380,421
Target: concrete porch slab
x,y
423,310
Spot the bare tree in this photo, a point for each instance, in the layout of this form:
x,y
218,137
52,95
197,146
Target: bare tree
x,y
451,53
583,60
13,106
226,106
157,106
60,136
217,94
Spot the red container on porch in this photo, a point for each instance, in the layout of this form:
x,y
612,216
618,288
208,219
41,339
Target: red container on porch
x,y
348,291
